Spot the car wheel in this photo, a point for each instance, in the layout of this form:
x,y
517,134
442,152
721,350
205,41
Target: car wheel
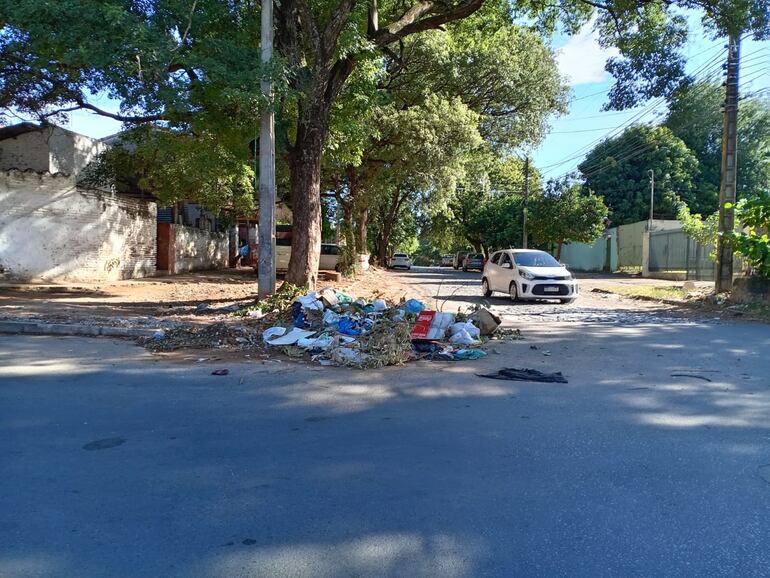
x,y
567,301
513,291
485,290
465,269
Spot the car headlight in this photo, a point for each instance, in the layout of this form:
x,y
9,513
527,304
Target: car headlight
x,y
527,275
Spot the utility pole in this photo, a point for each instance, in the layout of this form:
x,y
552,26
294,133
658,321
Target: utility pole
x,y
266,162
724,272
525,205
652,196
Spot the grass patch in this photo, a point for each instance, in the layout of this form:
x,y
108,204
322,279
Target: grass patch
x,y
670,292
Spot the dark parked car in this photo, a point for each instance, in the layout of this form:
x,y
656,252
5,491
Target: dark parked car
x,y
473,261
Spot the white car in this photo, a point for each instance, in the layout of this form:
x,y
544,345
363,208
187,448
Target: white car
x,y
328,261
400,260
528,274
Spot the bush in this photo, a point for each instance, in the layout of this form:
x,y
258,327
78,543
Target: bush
x,y
753,243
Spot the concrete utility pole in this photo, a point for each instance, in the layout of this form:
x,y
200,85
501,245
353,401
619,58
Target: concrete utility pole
x,y
267,164
652,196
525,205
724,273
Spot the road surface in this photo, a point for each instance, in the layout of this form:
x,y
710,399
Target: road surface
x,y
653,460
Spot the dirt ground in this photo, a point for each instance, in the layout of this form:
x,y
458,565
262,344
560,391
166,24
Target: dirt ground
x,y
205,296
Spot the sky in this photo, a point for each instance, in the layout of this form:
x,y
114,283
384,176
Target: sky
x,y
582,60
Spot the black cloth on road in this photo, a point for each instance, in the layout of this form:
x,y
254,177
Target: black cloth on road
x,y
515,374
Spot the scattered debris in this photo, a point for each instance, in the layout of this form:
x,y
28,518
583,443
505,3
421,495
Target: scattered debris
x,y
330,327
514,374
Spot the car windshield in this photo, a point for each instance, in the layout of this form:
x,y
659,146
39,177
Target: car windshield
x,y
535,259
475,256
400,255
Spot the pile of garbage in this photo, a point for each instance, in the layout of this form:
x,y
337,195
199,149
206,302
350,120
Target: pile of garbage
x,y
334,328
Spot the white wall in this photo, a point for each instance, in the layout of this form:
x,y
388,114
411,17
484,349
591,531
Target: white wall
x,y
196,249
51,149
52,230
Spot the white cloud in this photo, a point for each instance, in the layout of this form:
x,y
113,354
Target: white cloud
x,y
582,60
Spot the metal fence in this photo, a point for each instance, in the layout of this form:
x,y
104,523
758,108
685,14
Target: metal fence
x,y
675,252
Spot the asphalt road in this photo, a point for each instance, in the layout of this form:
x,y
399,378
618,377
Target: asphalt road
x,y
653,460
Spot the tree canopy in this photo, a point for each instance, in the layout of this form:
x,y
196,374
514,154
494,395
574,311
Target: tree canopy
x,y
617,170
696,117
566,213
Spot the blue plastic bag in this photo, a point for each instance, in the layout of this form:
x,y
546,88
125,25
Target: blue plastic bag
x,y
348,326
414,306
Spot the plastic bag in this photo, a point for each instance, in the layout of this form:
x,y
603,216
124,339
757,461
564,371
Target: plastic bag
x,y
298,315
330,317
462,337
472,330
289,338
463,354
414,306
322,342
343,298
269,334
311,302
349,326
379,305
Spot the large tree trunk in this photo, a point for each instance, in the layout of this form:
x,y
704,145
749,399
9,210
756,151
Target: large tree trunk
x,y
362,218
306,200
312,128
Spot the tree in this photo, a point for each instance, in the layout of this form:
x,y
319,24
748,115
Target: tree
x,y
193,66
565,213
446,89
618,171
695,116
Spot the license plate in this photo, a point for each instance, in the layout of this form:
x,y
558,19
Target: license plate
x,y
551,289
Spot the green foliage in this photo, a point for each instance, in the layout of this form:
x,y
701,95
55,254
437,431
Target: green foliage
x,y
753,242
566,214
173,167
696,117
618,171
702,231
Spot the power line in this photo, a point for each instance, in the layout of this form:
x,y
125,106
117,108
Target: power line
x,y
651,108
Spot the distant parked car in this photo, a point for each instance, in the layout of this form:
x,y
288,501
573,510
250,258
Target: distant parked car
x,y
473,261
459,257
447,260
528,274
400,260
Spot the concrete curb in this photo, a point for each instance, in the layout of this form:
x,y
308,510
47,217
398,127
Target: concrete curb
x,y
41,328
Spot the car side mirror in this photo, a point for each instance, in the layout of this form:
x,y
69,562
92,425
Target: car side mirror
x,y
507,266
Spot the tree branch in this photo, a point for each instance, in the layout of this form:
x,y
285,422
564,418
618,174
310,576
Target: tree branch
x,y
412,20
122,118
334,28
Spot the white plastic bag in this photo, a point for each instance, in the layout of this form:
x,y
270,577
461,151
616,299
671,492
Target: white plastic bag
x,y
311,302
469,327
379,305
269,334
462,337
323,342
289,338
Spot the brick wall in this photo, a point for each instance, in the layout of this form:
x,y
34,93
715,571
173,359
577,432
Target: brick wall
x,y
50,149
183,249
52,230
